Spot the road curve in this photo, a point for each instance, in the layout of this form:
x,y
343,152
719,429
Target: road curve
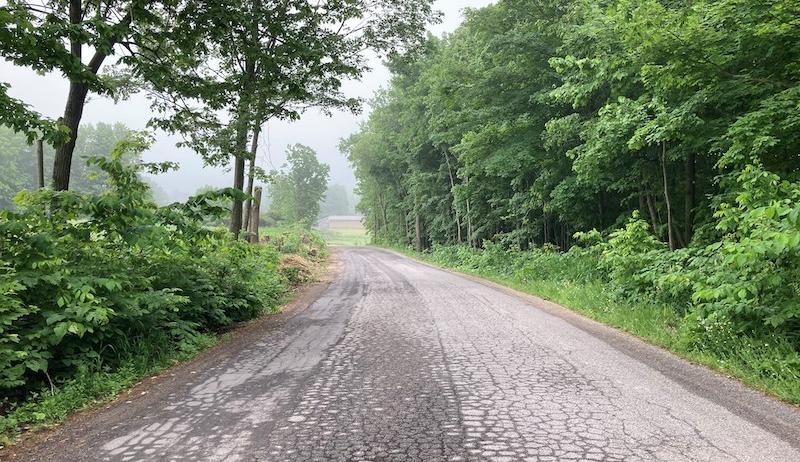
x,y
401,361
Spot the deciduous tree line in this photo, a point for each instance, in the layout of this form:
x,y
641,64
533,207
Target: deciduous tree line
x,y
537,119
215,70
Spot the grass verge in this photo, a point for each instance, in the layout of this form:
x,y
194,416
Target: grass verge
x,y
345,236
769,365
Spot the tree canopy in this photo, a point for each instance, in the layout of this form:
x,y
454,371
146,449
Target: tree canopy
x,y
215,70
538,119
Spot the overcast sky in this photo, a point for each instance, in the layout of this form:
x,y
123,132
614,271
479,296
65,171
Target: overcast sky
x,y
47,95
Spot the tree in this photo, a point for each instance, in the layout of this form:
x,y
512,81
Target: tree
x,y
451,141
296,192
215,69
53,36
18,160
335,201
264,60
537,119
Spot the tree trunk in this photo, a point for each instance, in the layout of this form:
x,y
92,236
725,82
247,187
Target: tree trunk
x,y
690,195
642,204
242,128
73,112
385,217
546,220
376,224
670,231
653,214
238,183
469,218
417,232
600,209
250,173
40,164
76,100
255,217
452,192
407,224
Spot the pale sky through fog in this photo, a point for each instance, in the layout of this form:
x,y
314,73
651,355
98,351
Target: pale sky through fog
x,y
47,95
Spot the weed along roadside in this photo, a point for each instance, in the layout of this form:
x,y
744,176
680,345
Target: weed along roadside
x,y
212,291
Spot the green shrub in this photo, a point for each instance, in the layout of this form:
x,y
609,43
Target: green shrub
x,y
577,265
745,283
85,278
298,239
751,279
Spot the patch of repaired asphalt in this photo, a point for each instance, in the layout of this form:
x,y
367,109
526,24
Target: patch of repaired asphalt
x,y
400,361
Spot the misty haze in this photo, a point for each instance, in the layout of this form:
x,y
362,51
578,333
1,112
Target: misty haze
x,y
399,230
46,94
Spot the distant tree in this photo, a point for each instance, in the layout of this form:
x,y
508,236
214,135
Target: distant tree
x,y
335,201
159,195
296,192
18,159
12,178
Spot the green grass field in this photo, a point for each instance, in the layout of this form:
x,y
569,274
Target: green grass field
x,y
345,237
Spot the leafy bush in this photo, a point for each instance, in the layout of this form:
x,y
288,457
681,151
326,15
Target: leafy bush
x,y
629,254
751,278
84,278
637,265
297,239
744,283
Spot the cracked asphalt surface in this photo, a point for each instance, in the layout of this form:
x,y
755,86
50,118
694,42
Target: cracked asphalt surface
x,y
398,361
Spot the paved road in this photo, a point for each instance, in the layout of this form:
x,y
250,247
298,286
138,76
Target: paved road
x,y
400,361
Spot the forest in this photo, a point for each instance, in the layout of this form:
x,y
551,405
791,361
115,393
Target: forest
x,y
634,158
103,280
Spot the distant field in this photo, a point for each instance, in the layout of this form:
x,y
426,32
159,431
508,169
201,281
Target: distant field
x,y
345,237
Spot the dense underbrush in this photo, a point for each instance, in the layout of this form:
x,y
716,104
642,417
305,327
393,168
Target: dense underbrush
x,y
97,290
296,239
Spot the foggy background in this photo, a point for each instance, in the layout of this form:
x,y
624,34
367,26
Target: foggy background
x,y
47,94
